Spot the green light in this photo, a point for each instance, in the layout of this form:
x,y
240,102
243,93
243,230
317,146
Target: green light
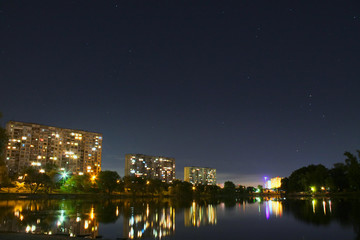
x,y
313,189
64,175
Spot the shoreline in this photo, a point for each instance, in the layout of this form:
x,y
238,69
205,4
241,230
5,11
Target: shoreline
x,y
31,196
31,236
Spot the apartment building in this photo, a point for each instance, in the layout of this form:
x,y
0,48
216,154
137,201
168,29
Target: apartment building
x,y
200,175
152,167
31,144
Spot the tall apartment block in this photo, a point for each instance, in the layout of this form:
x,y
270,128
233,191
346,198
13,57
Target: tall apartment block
x,y
36,145
152,167
200,175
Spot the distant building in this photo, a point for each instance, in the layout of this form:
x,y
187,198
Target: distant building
x,y
273,183
152,167
31,144
200,175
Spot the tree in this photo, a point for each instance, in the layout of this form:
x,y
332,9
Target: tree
x,y
229,188
301,180
182,188
284,184
250,189
353,170
212,190
77,183
135,185
339,178
240,189
35,180
107,181
156,186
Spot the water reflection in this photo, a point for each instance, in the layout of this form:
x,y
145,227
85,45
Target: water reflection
x,y
200,215
148,220
48,217
155,218
273,208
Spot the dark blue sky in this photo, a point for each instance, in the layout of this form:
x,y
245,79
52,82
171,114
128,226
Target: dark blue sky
x,y
251,88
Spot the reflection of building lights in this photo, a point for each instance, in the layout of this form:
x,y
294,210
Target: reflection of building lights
x,y
198,215
86,224
117,211
273,208
324,206
92,214
330,206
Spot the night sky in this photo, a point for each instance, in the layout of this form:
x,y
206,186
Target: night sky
x,y
251,88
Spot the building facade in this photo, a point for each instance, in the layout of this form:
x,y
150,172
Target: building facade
x,y
273,183
36,145
200,175
152,167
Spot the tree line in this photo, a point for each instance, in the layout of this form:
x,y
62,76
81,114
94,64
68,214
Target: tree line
x,y
109,182
342,177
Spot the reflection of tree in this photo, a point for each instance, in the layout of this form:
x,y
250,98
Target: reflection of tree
x,y
323,211
106,212
310,211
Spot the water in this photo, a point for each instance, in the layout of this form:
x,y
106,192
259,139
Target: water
x,y
252,218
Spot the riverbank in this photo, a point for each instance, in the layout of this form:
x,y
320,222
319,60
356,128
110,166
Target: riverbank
x,y
14,196
29,236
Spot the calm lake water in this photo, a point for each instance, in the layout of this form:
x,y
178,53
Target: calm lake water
x,y
250,218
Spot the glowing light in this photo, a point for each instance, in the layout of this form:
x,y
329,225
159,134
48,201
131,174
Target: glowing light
x,y
64,175
42,170
313,205
92,214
